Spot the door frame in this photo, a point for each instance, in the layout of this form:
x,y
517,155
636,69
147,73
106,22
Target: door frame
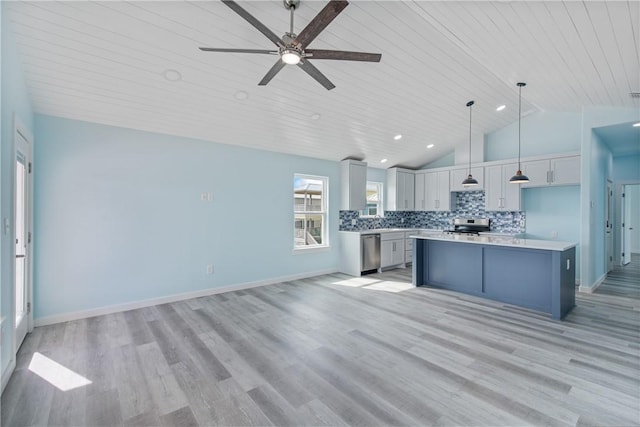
x,y
619,218
609,227
20,128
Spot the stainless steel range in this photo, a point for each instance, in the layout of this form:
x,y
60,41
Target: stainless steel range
x,y
471,226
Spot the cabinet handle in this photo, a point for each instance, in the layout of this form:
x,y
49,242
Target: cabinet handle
x,y
548,181
423,204
553,178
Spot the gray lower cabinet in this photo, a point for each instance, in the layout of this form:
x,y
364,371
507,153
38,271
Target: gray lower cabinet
x,y
391,249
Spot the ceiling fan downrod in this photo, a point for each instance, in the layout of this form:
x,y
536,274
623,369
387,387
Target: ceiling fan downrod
x,y
291,6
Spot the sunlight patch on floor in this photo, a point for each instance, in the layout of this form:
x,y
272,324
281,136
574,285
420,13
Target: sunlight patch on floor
x,y
356,282
54,373
389,286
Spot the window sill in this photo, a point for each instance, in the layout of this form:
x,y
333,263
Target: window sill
x,y
311,250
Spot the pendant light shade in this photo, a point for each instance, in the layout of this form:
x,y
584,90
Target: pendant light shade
x,y
470,181
519,178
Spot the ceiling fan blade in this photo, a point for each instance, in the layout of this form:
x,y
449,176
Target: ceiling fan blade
x,y
316,74
279,65
253,21
317,24
342,55
215,49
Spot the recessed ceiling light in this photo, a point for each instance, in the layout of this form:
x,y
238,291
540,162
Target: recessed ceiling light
x,y
397,137
430,146
383,161
241,95
172,75
500,108
636,125
315,116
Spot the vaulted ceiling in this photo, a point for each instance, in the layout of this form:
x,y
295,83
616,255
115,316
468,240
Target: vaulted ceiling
x,y
108,62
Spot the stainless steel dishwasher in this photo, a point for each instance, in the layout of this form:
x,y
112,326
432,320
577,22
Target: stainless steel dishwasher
x,y
370,252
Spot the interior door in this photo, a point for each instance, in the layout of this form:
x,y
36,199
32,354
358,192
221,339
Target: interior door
x,y
609,227
628,226
22,237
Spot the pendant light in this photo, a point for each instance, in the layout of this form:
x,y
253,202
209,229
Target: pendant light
x,y
470,181
519,178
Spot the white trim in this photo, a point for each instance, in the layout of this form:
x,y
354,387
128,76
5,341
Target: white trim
x,y
311,249
6,375
83,314
592,289
10,367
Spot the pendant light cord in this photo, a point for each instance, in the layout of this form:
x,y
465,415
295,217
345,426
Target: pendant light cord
x,y
470,105
470,108
519,118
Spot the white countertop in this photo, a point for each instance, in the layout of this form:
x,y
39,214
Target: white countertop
x,y
388,230
510,241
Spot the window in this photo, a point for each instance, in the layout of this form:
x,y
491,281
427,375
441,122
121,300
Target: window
x,y
310,194
374,200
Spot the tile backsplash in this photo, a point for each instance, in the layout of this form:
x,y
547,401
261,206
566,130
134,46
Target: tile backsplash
x,y
468,204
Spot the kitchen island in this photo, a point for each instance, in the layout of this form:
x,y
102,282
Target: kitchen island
x,y
535,274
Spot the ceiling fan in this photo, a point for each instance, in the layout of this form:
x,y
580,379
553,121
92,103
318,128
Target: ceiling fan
x,y
292,48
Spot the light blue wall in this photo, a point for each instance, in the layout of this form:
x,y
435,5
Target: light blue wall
x,y
596,166
379,175
15,100
444,161
553,209
626,168
602,161
542,133
119,217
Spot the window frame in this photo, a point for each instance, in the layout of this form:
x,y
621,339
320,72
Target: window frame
x,y
380,202
324,212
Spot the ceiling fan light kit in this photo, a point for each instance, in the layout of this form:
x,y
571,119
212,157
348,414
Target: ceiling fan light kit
x,y
292,48
470,181
519,178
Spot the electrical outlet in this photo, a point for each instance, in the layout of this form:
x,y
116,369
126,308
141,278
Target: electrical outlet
x,y
210,269
203,197
354,221
210,197
401,220
554,234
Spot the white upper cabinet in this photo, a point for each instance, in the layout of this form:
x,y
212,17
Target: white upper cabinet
x,y
437,191
400,189
555,171
353,179
565,171
500,194
419,201
459,175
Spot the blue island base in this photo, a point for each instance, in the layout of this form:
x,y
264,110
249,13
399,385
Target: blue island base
x,y
542,280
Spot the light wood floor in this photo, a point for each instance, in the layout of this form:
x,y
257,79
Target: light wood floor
x,y
623,281
337,350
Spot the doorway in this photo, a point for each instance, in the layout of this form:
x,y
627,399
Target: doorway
x,y
22,218
630,222
608,228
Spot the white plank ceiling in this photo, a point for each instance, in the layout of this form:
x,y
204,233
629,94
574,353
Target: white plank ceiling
x,y
105,62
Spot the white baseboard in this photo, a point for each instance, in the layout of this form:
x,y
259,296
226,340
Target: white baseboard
x,y
65,317
592,289
6,375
